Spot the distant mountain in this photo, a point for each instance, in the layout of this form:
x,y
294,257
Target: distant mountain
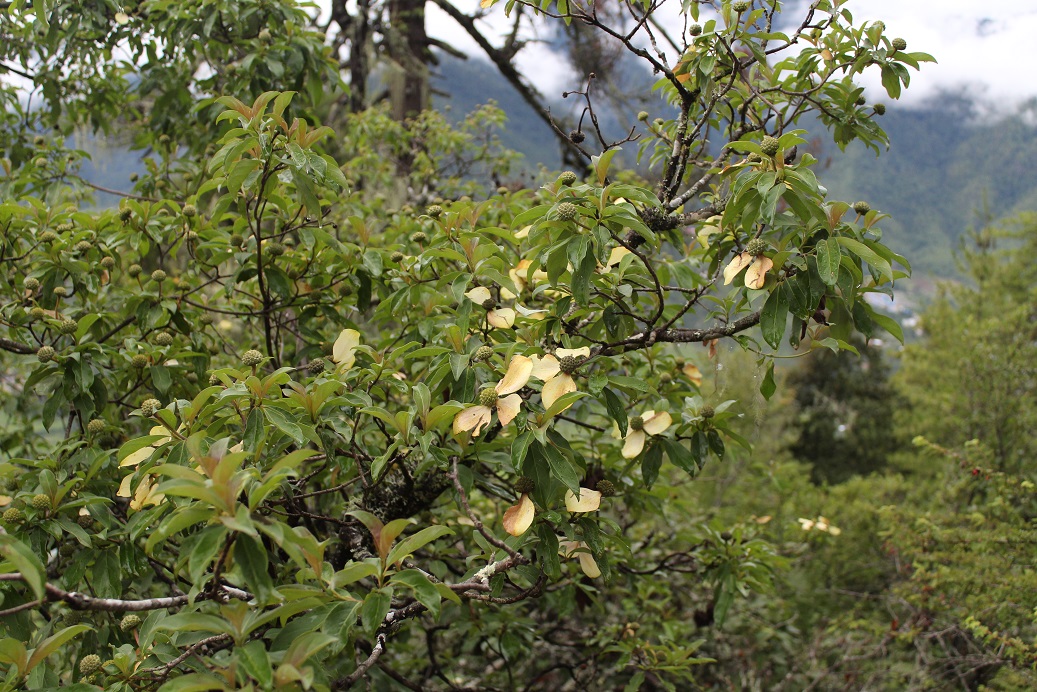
x,y
949,167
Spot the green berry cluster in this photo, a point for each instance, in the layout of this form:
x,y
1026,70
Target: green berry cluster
x,y
861,207
524,485
95,426
770,145
756,246
570,364
252,358
31,284
41,502
488,396
45,354
89,663
567,211
164,339
139,361
129,622
435,211
567,178
149,407
482,353
158,276
606,488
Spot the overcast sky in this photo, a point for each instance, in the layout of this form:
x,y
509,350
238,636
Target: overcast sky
x,y
988,46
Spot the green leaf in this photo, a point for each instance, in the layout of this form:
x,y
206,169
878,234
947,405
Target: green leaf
x,y
251,558
196,622
24,561
285,422
678,455
601,164
651,463
424,590
520,447
888,324
828,256
415,542
768,386
376,606
617,410
53,643
254,660
868,255
561,468
774,317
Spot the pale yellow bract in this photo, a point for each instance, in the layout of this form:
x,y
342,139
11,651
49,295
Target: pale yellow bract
x,y
501,318
556,383
755,275
653,424
344,350
588,501
570,549
508,403
519,517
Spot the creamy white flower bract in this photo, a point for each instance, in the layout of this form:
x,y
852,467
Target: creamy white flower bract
x,y
654,423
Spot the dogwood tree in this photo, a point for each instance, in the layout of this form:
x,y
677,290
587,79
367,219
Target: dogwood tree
x,y
267,427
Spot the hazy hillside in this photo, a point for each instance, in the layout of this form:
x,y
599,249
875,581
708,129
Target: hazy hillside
x,y
945,165
947,170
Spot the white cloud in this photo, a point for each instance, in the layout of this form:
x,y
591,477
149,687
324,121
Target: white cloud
x,y
988,47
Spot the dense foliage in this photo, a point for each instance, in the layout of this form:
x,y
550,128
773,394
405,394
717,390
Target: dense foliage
x,y
311,407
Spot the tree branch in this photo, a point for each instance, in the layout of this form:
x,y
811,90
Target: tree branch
x,y
81,601
15,346
502,60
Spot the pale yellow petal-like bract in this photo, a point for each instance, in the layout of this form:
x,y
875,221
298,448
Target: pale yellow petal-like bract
x,y
519,371
582,352
557,387
692,372
501,318
589,500
508,407
478,295
634,443
472,418
756,275
655,423
736,265
518,518
544,367
345,346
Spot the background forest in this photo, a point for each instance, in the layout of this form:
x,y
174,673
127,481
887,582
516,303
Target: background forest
x,y
334,358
